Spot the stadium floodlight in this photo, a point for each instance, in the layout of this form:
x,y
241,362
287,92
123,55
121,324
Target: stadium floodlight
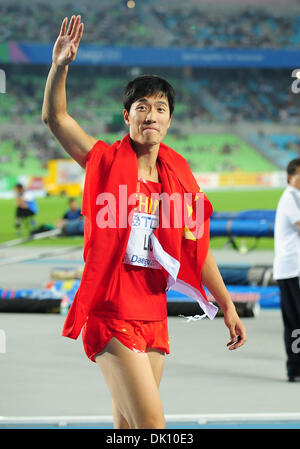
x,y
2,82
130,4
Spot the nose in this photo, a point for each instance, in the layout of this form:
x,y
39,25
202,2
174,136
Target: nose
x,y
150,117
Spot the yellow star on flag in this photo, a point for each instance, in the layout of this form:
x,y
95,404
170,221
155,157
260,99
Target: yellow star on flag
x,y
187,234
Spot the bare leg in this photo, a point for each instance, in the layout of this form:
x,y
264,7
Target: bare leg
x,y
156,358
119,421
133,379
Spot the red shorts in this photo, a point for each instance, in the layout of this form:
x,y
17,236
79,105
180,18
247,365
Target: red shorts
x,y
137,335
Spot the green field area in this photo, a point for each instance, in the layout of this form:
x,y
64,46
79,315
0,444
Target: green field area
x,y
52,208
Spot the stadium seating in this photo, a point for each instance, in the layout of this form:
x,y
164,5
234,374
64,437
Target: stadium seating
x,y
218,153
154,23
277,147
205,153
95,100
226,96
203,96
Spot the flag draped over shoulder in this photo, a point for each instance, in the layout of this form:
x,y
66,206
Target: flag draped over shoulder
x,y
180,248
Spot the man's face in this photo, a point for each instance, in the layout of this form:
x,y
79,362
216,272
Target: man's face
x,y
18,190
148,119
294,180
73,205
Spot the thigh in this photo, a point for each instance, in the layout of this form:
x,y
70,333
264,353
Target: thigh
x,y
120,422
132,385
157,360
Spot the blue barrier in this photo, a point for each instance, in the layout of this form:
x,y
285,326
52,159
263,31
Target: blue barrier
x,y
241,228
248,223
150,56
267,297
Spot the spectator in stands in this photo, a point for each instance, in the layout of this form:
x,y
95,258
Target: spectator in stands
x,y
286,269
72,222
26,208
246,27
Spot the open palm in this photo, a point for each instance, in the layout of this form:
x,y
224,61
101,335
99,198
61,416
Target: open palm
x,y
66,45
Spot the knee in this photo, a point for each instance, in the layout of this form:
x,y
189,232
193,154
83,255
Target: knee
x,y
122,424
151,422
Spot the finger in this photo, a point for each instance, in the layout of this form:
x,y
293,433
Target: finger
x,y
236,333
79,34
234,344
75,27
70,27
233,336
63,27
240,340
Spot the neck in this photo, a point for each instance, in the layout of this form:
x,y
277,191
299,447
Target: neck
x,y
146,158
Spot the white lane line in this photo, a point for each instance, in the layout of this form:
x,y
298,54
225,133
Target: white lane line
x,y
199,418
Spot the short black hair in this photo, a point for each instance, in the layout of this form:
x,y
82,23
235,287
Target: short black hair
x,y
292,167
19,186
146,85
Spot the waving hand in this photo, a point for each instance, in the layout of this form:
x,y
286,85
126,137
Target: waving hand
x,y
67,43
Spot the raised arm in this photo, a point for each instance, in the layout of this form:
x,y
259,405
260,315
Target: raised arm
x,y
71,136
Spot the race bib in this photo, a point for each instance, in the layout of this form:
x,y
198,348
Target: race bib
x,y
139,248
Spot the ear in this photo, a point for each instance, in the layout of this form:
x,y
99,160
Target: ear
x,y
170,121
126,116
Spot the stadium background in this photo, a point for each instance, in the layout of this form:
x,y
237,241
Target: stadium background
x,y
236,116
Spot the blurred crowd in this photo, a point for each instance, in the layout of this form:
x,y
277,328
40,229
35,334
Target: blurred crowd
x,y
254,95
107,23
95,100
38,144
249,28
96,97
152,23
